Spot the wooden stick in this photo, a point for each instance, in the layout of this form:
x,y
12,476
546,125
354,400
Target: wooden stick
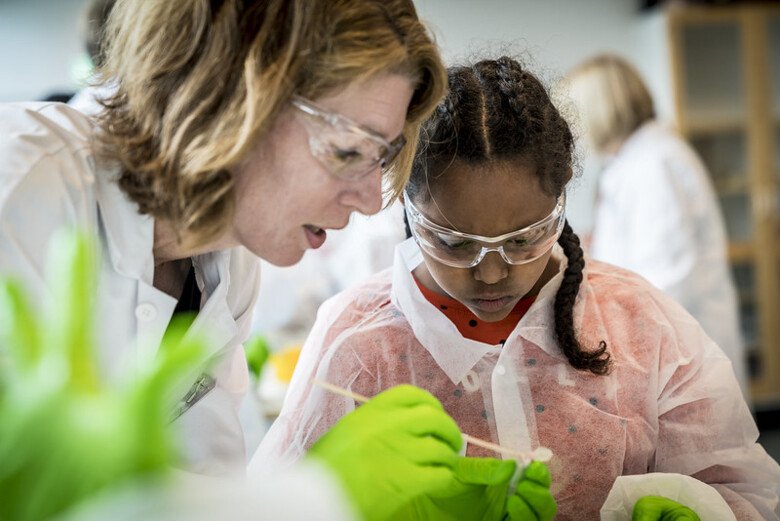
x,y
524,456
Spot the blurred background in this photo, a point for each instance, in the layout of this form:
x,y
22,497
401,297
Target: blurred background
x,y
713,69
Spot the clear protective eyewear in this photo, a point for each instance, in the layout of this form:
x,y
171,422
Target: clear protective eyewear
x,y
348,150
464,250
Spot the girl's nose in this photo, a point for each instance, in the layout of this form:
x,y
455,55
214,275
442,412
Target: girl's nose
x,y
492,269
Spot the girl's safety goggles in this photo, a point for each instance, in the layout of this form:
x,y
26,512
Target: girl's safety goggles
x,y
464,250
348,150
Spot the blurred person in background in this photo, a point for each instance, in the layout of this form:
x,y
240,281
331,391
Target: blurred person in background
x,y
656,211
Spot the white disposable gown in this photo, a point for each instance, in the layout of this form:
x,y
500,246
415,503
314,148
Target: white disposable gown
x,y
671,403
657,215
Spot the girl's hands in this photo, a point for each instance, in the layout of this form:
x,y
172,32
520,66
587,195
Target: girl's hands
x,y
657,508
532,500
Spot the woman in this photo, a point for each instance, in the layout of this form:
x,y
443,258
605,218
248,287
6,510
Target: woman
x,y
238,129
657,213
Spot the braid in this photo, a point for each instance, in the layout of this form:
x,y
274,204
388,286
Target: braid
x,y
454,131
510,84
598,361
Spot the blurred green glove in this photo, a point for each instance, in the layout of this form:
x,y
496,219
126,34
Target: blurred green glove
x,y
657,508
257,352
396,447
532,500
478,493
65,433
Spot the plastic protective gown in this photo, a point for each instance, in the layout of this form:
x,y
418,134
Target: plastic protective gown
x,y
671,403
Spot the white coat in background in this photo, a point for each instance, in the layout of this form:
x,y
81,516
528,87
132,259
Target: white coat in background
x,y
670,404
657,215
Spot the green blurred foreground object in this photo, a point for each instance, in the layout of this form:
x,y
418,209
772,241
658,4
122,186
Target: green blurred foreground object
x,y
257,352
657,508
395,448
66,433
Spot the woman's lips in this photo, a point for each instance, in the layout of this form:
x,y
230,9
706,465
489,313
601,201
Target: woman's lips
x,y
316,236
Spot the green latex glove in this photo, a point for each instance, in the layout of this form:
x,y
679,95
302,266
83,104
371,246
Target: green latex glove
x,y
532,499
657,508
396,447
66,434
479,493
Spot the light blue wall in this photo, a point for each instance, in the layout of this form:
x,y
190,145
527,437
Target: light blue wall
x,y
40,41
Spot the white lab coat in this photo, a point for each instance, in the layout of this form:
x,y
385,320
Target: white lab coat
x,y
657,215
48,179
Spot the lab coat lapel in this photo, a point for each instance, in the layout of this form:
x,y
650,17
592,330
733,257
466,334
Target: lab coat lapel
x,y
215,321
129,239
129,235
454,354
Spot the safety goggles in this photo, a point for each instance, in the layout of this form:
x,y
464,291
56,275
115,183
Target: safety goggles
x,y
464,250
346,149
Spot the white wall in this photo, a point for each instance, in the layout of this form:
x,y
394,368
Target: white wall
x,y
40,44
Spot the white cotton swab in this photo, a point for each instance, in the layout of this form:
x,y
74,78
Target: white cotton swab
x,y
542,454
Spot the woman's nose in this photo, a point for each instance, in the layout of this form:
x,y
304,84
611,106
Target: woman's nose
x,y
365,194
492,269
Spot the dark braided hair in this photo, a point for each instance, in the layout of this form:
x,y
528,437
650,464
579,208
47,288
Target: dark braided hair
x,y
496,110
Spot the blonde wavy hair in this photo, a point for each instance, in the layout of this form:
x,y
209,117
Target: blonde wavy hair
x,y
199,82
611,98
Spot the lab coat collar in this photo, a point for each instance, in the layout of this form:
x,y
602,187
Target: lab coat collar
x,y
453,353
215,321
129,235
130,240
457,355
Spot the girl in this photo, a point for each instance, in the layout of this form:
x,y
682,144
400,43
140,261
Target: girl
x,y
523,344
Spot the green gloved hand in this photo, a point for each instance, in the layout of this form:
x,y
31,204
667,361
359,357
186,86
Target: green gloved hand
x,y
478,493
532,499
65,433
658,508
396,447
